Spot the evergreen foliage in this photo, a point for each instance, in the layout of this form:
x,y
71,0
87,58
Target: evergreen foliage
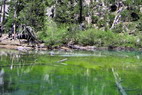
x,y
68,14
28,12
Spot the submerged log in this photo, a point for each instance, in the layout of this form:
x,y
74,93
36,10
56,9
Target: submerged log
x,y
62,60
118,84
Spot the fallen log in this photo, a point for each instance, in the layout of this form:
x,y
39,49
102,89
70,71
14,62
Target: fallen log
x,y
118,84
82,47
62,60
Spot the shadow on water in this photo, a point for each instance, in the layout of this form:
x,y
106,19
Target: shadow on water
x,y
69,73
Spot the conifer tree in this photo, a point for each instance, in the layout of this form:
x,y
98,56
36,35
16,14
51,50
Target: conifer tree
x,y
28,12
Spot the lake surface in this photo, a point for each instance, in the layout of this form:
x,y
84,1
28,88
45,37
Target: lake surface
x,y
70,73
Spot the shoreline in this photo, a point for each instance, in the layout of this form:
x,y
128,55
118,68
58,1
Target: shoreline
x,y
66,48
21,45
109,48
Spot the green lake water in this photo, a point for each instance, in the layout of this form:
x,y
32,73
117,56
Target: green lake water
x,y
70,73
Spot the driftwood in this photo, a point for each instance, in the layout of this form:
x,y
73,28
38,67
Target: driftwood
x,y
82,47
118,83
33,64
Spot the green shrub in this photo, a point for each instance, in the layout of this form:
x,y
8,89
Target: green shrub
x,y
106,38
63,34
111,19
128,40
125,16
51,34
96,37
139,24
101,23
95,19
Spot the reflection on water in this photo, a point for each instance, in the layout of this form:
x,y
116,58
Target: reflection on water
x,y
55,83
1,77
82,73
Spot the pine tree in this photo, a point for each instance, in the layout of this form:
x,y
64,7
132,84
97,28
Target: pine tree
x,y
68,11
33,14
28,12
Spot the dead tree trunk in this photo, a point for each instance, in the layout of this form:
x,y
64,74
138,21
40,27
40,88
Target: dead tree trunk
x,y
117,17
15,15
3,14
81,11
118,84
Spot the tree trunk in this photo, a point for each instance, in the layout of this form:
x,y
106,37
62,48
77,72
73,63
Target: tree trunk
x,y
14,26
81,9
1,13
3,16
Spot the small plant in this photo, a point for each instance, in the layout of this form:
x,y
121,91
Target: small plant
x,y
118,28
51,34
95,19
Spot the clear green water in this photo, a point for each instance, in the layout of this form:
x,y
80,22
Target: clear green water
x,y
83,73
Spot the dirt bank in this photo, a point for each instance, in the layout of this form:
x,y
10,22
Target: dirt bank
x,y
16,44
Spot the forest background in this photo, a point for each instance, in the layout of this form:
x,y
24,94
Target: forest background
x,y
100,23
